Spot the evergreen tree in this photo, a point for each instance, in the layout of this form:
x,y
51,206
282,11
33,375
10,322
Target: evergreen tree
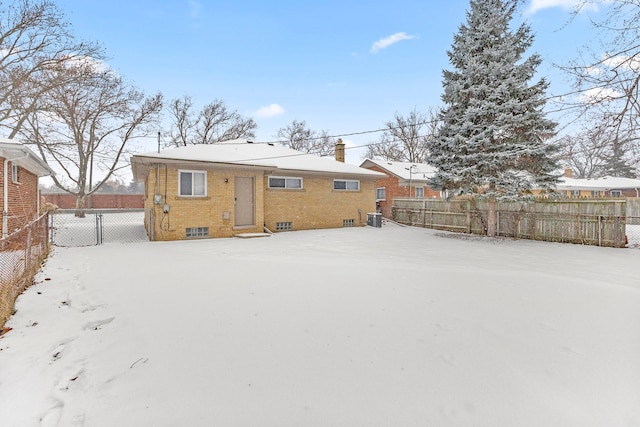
x,y
491,141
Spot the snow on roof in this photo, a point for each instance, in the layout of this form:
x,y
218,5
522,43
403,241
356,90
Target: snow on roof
x,y
403,170
22,156
245,153
604,183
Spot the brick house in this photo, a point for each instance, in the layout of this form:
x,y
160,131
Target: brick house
x,y
236,187
608,186
20,169
402,180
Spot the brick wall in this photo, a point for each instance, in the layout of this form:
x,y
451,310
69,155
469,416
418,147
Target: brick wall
x,y
394,189
97,201
215,211
317,205
23,198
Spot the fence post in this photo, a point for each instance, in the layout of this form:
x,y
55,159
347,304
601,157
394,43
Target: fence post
x,y
98,229
468,216
599,230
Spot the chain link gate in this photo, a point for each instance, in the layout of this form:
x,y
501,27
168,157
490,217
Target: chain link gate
x,y
97,227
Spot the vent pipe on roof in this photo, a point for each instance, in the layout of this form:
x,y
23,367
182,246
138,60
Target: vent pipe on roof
x,y
340,150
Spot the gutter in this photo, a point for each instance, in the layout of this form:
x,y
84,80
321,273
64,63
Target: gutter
x,y
5,206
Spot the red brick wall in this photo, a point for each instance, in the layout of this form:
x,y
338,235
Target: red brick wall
x,y
23,198
394,189
97,201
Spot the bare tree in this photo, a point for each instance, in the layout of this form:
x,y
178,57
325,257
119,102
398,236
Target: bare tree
x,y
609,78
406,138
298,136
34,39
214,123
584,153
86,125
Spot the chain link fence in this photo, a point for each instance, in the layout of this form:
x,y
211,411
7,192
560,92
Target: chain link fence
x,y
97,227
21,255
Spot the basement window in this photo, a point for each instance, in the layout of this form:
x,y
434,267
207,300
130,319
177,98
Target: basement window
x,y
348,222
346,184
284,226
197,232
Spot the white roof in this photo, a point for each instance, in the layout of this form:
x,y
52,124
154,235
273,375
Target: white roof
x,y
25,158
244,153
403,170
604,183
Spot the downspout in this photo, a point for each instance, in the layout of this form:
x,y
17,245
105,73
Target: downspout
x,y
5,206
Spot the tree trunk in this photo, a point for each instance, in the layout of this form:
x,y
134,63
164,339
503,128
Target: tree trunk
x,y
80,199
492,216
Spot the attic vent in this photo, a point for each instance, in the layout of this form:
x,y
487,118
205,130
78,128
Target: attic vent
x,y
284,226
348,222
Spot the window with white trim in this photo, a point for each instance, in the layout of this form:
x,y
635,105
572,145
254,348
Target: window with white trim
x,y
192,183
575,193
419,191
381,193
286,182
346,184
14,172
616,193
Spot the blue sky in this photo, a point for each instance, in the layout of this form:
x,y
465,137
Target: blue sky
x,y
342,66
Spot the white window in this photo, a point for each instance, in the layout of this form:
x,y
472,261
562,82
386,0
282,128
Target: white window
x,y
14,172
285,182
616,193
346,184
419,191
193,183
575,193
595,193
381,193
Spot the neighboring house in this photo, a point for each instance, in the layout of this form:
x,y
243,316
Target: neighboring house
x,y
236,187
599,187
607,186
402,180
20,169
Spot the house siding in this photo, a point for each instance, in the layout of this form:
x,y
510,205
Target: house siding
x,y
22,198
216,210
317,204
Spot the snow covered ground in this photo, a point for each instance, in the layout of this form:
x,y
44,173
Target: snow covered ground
x,y
395,326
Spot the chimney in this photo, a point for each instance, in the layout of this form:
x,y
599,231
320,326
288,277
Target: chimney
x,y
340,150
568,173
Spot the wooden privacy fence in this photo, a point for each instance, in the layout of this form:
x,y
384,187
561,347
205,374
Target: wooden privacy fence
x,y
589,222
